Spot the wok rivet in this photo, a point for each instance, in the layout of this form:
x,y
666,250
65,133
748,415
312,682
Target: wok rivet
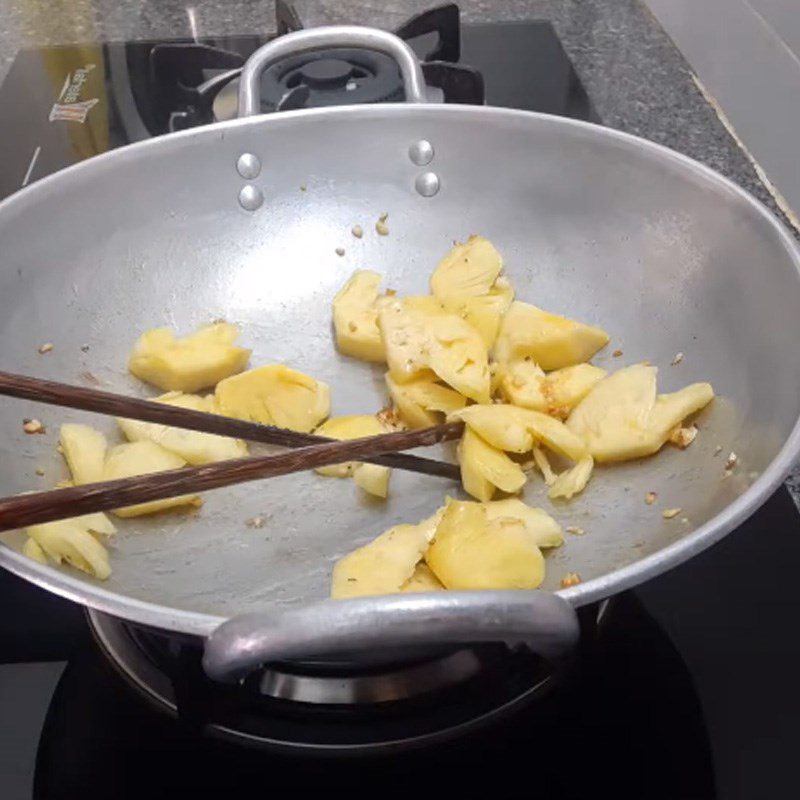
x,y
421,152
427,184
250,197
248,166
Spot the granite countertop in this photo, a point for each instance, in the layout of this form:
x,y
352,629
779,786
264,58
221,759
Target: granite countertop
x,y
637,79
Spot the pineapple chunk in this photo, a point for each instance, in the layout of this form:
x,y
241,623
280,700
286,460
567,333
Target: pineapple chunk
x,y
421,402
484,312
373,479
384,565
519,429
355,426
551,341
143,458
71,540
419,341
423,580
622,417
573,481
187,365
469,269
85,452
355,317
525,384
546,532
275,395
32,550
470,551
484,468
192,446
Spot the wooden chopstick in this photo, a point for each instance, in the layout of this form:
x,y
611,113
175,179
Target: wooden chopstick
x,y
31,509
85,399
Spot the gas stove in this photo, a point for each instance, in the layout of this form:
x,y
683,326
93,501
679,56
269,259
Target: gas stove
x,y
97,708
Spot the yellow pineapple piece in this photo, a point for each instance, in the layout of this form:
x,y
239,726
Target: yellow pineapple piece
x,y
418,342
355,317
622,417
32,550
549,340
423,580
485,468
71,540
526,385
386,564
275,395
143,458
189,364
517,430
84,449
192,446
469,269
573,481
470,551
546,532
483,312
422,402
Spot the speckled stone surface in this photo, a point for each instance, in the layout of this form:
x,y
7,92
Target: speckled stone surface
x,y
636,77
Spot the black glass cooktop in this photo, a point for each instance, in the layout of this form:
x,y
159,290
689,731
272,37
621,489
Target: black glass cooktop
x,y
692,692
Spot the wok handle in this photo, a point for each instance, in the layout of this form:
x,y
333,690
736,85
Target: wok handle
x,y
544,622
325,38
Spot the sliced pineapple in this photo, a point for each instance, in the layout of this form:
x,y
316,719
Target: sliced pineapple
x,y
517,430
422,402
192,446
32,550
622,417
355,317
275,395
195,362
546,532
384,565
469,269
423,580
526,385
485,468
470,551
418,342
573,481
84,449
71,540
549,340
483,312
143,458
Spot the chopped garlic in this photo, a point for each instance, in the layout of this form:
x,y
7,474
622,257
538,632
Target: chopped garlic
x,y
570,579
650,498
670,513
46,348
683,437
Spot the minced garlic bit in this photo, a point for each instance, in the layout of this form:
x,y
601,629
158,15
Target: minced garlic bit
x,y
685,520
570,579
671,513
46,348
616,354
683,437
732,461
650,498
33,426
255,522
40,472
340,251
717,449
677,360
302,187
575,530
390,417
380,225
357,231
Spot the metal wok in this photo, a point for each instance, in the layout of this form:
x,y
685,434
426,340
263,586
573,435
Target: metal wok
x,y
241,220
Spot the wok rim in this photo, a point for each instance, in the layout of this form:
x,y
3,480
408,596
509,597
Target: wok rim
x,y
166,618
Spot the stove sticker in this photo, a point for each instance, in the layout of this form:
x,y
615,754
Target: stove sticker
x,y
70,107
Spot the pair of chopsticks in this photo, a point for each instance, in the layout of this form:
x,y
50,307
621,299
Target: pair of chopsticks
x,y
307,452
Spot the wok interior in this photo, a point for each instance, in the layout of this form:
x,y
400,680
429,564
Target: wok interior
x,y
665,258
